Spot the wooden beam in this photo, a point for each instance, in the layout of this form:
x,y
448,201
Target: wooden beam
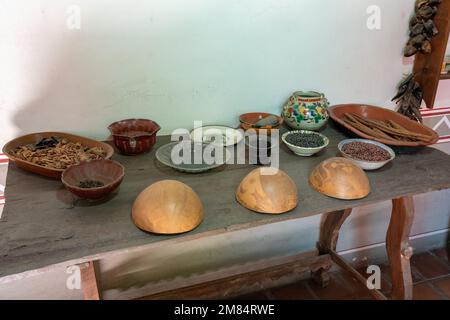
x,y
347,267
330,226
89,281
427,67
248,282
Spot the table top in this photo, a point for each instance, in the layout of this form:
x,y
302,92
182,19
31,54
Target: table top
x,y
43,225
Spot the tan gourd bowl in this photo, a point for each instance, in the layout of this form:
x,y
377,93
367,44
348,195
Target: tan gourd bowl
x,y
272,194
167,207
340,178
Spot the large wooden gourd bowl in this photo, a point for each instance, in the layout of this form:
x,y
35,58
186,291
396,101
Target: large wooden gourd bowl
x,y
340,178
272,193
167,207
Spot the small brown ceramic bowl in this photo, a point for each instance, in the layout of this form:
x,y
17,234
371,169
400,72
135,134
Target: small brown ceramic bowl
x,y
134,136
248,121
102,176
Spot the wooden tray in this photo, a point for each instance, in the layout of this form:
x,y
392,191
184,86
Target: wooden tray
x,y
376,113
36,137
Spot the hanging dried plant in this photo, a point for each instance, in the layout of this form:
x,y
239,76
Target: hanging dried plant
x,y
422,27
409,98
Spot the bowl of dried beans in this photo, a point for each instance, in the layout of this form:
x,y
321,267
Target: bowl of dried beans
x,y
367,154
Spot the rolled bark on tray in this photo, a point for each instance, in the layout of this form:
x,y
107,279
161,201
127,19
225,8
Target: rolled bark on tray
x,y
388,129
357,125
393,131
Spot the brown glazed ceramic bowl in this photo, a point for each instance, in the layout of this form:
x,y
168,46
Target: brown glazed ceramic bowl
x,y
134,136
337,113
109,173
36,137
248,121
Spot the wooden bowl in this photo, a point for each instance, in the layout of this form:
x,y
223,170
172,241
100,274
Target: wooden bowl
x,y
340,178
167,207
272,194
337,113
108,172
36,137
248,121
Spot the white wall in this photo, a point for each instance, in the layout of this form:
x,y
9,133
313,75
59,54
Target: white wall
x,y
177,61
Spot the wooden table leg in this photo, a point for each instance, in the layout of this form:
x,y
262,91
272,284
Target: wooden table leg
x,y
398,249
329,233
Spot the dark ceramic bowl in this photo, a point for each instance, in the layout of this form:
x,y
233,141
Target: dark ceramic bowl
x,y
109,173
134,136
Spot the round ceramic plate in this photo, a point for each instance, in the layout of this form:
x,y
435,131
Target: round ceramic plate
x,y
218,135
195,160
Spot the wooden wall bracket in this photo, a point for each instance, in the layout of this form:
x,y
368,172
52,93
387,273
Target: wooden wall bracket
x,y
427,67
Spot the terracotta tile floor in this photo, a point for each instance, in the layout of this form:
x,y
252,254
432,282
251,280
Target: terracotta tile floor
x,y
431,277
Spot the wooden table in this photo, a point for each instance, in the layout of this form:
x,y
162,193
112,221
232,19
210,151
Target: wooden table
x,y
43,225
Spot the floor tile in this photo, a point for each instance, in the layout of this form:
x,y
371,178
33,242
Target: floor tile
x,y
295,291
260,295
336,290
443,253
444,285
358,290
424,291
429,265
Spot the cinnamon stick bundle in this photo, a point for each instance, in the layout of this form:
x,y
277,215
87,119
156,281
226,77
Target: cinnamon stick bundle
x,y
388,129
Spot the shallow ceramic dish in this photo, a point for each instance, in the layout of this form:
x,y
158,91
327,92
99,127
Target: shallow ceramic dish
x,y
218,135
134,136
337,113
302,151
249,120
364,164
36,137
108,172
164,155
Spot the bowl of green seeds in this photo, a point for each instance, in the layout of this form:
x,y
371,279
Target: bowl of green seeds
x,y
305,143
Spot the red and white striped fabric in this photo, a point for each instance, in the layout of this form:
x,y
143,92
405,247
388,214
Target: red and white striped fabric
x,y
439,120
3,159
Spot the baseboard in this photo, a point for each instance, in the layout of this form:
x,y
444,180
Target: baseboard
x,y
376,253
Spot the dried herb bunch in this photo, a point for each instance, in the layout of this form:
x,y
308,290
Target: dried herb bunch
x,y
422,27
409,98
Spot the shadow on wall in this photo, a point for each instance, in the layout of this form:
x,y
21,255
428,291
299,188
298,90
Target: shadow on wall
x,y
65,98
